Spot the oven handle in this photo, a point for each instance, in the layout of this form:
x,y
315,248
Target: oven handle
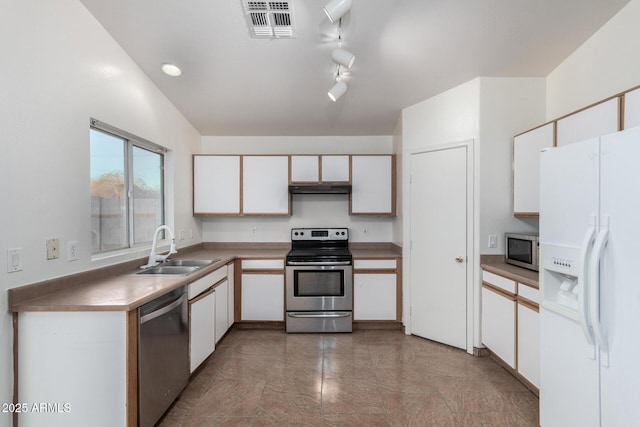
x,y
331,315
318,263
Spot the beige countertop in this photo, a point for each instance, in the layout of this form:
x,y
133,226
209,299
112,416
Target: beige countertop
x,y
496,264
117,288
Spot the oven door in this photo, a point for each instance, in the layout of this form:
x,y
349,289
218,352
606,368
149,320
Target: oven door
x,y
319,288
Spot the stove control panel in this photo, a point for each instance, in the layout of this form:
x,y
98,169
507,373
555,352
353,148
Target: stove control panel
x,y
319,234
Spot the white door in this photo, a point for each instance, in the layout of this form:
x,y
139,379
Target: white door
x,y
439,245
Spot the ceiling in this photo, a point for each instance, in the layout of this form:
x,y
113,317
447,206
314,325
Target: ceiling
x,y
406,51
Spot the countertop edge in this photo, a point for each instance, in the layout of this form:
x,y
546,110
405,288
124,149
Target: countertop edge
x,y
496,264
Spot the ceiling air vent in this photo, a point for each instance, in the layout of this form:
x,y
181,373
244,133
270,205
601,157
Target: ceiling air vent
x,y
269,19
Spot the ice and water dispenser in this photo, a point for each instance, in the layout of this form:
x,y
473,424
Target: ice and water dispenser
x,y
560,275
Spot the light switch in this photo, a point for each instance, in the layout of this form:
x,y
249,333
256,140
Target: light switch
x,y
493,241
14,260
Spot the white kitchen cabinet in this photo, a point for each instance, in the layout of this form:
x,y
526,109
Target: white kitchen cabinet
x,y
372,180
632,109
335,168
374,296
201,328
262,296
265,185
526,168
600,119
76,361
216,185
498,324
305,169
375,289
222,308
529,343
231,294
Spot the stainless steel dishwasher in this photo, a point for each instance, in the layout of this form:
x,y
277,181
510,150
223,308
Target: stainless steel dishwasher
x,y
163,354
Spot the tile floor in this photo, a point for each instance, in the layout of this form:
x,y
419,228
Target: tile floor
x,y
367,378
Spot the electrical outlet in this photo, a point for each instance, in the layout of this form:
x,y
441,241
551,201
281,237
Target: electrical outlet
x,y
254,230
365,231
181,235
72,250
53,248
493,241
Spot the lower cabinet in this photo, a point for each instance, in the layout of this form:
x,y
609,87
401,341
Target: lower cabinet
x,y
221,309
262,290
511,325
201,329
498,325
375,289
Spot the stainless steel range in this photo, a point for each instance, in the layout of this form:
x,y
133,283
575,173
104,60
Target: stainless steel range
x,y
319,281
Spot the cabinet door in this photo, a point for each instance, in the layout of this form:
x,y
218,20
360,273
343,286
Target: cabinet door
x,y
201,329
262,297
601,119
335,169
216,185
498,325
374,297
372,185
305,169
526,169
529,344
222,301
265,185
632,109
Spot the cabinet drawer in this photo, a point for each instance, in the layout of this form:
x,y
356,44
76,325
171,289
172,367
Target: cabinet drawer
x,y
262,264
206,282
532,294
499,282
374,264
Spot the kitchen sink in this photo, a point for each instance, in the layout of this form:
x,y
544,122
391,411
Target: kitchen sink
x,y
189,262
178,267
169,269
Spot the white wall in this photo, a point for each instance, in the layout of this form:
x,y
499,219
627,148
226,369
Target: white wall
x,y
606,64
59,68
317,210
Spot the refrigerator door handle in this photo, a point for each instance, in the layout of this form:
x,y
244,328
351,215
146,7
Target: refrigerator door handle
x,y
594,290
583,295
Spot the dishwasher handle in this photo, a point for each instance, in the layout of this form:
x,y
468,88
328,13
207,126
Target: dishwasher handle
x,y
163,310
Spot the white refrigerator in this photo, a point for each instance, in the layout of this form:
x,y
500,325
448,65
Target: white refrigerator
x,y
590,283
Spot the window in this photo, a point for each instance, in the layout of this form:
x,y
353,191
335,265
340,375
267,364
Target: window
x,y
127,188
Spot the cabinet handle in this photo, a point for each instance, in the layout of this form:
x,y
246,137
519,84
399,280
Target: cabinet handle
x,y
459,259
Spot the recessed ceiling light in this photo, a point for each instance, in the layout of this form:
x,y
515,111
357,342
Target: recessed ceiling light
x,y
171,69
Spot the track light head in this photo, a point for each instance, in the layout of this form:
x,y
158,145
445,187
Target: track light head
x,y
343,57
337,90
335,9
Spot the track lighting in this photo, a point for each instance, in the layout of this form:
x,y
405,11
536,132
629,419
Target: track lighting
x,y
343,57
335,9
337,90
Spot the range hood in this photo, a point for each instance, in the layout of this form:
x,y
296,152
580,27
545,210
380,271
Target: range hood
x,y
320,189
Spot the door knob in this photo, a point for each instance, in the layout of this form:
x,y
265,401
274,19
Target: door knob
x,y
459,259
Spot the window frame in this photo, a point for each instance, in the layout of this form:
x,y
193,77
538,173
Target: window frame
x,y
131,141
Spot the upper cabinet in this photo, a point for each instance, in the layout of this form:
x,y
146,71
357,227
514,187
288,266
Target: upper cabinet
x,y
335,169
265,185
216,185
600,119
259,184
632,109
526,169
305,169
373,185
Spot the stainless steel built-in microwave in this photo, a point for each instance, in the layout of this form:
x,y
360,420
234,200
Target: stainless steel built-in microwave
x,y
522,250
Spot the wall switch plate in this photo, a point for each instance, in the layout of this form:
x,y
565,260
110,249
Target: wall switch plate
x,y
72,251
493,241
181,235
53,248
365,231
14,260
